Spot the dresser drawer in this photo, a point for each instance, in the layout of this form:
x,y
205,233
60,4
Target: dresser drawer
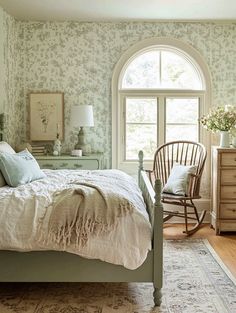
x,y
74,164
86,165
228,210
45,164
56,164
228,177
228,159
228,192
227,225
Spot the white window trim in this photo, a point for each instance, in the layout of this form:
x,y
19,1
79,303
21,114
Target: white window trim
x,y
161,117
195,58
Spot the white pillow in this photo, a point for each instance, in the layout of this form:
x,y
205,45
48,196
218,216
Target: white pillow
x,y
4,147
178,180
20,168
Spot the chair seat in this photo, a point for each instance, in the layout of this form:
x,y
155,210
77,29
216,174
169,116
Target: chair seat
x,y
171,196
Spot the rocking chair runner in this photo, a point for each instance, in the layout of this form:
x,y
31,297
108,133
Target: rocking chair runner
x,y
184,153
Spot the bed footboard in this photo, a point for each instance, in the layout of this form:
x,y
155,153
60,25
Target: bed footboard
x,y
155,209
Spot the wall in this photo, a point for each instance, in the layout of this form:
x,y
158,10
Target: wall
x,y
78,59
10,102
1,61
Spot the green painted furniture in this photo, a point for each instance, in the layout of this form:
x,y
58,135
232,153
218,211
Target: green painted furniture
x,y
90,162
53,266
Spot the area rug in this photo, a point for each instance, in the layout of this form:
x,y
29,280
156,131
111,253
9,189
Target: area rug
x,y
195,281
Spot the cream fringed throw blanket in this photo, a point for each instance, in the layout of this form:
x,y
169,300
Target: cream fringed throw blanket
x,y
91,207
94,214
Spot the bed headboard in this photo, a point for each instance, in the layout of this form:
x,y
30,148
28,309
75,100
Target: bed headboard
x,y
1,126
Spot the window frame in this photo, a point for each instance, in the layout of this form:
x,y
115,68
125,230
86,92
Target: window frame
x,y
117,93
161,48
197,96
161,95
123,145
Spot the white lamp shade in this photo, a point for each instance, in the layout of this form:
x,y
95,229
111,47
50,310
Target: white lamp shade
x,y
82,115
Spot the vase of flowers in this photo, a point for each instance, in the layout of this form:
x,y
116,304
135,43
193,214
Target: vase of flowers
x,y
221,119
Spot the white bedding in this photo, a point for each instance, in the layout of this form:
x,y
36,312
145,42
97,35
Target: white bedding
x,y
23,209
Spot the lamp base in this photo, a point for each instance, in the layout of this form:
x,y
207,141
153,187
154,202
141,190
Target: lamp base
x,y
86,148
81,145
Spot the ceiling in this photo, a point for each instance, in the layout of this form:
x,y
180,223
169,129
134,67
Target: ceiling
x,y
120,10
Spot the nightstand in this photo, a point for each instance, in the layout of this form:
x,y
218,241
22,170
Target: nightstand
x,y
90,162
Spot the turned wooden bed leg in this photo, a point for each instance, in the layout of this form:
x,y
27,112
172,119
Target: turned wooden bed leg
x,y
153,198
157,295
158,244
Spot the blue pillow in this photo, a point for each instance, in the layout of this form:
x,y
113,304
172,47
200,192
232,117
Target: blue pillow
x,y
19,168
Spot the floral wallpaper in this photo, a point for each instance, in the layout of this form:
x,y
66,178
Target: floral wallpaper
x,y
10,86
2,33
78,58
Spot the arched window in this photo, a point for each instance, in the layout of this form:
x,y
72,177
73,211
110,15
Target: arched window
x,y
161,68
159,92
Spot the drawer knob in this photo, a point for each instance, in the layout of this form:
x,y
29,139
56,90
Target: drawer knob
x,y
232,210
47,165
63,164
77,165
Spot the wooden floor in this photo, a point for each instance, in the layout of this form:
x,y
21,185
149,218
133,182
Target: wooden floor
x,y
224,245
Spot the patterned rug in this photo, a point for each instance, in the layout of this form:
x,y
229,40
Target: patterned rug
x,y
195,281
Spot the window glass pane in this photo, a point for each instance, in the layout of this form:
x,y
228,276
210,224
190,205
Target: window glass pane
x,y
143,71
182,110
140,137
181,132
176,72
141,110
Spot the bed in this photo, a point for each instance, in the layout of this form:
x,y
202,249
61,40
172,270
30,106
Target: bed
x,y
62,266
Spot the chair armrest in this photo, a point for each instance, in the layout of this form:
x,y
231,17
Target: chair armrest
x,y
149,171
193,175
193,184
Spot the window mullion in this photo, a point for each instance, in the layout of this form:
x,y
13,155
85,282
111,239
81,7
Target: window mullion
x,y
161,120
123,133
160,68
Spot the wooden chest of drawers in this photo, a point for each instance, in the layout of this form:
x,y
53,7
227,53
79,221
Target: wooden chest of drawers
x,y
223,214
91,162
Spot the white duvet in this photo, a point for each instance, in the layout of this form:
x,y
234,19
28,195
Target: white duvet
x,y
24,208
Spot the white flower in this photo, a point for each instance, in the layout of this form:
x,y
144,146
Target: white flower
x,y
229,107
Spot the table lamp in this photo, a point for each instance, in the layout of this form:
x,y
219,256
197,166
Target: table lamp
x,y
82,116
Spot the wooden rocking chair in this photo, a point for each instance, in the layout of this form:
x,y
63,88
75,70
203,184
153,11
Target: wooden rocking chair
x,y
184,153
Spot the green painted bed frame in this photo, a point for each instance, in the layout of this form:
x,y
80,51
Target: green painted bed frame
x,y
53,266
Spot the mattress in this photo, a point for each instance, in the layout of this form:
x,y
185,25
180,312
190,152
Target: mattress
x,y
23,211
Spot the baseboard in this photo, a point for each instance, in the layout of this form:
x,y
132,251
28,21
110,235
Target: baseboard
x,y
201,204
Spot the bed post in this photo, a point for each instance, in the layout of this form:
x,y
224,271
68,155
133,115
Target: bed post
x,y
155,209
140,166
1,126
158,244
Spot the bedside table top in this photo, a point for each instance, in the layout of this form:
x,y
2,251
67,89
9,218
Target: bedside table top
x,y
223,149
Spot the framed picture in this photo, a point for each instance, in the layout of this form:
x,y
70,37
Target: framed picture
x,y
46,116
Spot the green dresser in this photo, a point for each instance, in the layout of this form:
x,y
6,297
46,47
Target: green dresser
x,y
90,162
